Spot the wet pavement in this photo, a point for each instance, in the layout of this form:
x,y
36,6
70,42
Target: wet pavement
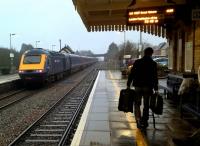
x,y
104,125
8,78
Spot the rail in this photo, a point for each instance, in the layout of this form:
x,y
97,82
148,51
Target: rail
x,y
67,110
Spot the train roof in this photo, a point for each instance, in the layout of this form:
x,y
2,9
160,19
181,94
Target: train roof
x,y
76,55
36,51
39,51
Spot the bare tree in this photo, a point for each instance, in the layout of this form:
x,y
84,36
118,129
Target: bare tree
x,y
128,48
113,52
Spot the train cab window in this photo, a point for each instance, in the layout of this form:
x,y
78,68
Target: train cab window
x,y
32,59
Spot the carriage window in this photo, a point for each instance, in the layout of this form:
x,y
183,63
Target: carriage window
x,y
32,59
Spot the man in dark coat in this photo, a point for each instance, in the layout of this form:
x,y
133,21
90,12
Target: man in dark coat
x,y
144,78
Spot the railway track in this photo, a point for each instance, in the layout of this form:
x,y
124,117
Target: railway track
x,y
14,97
17,96
57,125
11,94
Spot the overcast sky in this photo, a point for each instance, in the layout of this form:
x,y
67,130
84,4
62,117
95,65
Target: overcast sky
x,y
48,21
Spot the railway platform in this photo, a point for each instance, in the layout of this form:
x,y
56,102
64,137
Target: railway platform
x,y
8,78
8,82
102,124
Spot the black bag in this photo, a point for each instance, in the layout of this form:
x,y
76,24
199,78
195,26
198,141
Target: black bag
x,y
156,104
126,100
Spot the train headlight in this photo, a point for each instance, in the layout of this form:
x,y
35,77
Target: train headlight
x,y
39,71
21,71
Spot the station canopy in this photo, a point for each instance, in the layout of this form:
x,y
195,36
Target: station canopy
x,y
120,15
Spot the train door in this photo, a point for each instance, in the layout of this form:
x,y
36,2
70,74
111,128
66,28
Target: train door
x,y
64,64
68,63
48,66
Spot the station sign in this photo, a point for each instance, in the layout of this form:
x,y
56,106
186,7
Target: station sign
x,y
127,56
150,16
11,55
196,14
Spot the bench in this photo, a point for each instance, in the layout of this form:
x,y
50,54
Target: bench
x,y
171,86
190,102
165,88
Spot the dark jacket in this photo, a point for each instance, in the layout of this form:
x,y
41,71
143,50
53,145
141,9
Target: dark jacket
x,y
144,73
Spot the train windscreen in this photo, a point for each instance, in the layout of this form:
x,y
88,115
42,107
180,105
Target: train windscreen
x,y
32,59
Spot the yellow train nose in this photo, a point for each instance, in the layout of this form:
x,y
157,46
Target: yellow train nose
x,y
33,66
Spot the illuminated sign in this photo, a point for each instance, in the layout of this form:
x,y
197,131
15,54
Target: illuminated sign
x,y
151,16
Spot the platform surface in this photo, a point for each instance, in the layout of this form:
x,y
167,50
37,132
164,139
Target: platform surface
x,y
103,125
8,78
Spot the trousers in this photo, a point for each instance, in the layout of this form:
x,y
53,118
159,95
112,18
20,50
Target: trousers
x,y
142,94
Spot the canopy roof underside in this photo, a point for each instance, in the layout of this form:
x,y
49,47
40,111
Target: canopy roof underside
x,y
111,15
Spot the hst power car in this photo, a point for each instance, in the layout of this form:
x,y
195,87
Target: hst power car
x,y
43,65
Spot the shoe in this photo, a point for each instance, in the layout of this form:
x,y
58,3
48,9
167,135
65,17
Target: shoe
x,y
138,124
144,124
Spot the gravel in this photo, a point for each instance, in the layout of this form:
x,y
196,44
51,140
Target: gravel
x,y
18,117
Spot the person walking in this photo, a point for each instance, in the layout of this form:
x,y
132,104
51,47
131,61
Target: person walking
x,y
143,77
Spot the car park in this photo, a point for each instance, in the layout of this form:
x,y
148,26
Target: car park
x,y
161,61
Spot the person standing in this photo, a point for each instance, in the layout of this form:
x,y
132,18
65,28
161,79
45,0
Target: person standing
x,y
143,77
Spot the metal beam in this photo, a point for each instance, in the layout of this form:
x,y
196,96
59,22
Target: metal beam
x,y
109,6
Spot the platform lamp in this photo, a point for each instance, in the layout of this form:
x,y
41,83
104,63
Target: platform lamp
x,y
140,45
11,54
53,47
36,42
124,45
60,44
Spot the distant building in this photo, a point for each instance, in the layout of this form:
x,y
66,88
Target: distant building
x,y
161,50
67,49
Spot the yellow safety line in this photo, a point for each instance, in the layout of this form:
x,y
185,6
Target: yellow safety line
x,y
117,89
140,138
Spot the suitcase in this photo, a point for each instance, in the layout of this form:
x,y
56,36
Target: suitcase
x,y
126,100
156,104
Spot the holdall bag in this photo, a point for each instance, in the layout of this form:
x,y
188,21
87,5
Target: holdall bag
x,y
126,100
156,104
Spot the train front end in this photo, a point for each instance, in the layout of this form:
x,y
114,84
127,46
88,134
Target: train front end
x,y
32,66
